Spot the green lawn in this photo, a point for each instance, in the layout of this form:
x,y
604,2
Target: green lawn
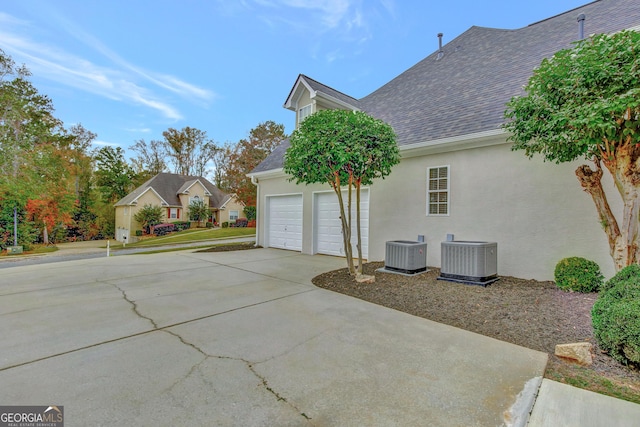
x,y
193,235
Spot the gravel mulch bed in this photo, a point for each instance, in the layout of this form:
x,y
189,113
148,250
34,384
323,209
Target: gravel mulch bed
x,y
529,313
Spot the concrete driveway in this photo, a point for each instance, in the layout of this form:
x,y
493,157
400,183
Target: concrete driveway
x,y
241,339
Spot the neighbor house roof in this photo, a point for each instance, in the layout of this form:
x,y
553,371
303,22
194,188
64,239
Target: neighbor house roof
x,y
463,89
169,186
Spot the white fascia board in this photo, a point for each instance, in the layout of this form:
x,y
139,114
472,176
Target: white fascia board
x,y
273,173
289,103
332,100
456,143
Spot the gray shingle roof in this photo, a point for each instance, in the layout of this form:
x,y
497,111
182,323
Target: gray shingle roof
x,y
169,186
465,91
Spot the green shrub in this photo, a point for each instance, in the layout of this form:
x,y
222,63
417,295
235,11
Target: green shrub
x,y
250,212
182,225
578,274
616,320
138,233
208,225
225,224
623,275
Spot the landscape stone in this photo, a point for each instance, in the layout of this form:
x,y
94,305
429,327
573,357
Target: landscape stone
x,y
364,278
579,352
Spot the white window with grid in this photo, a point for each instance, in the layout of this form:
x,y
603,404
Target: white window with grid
x,y
438,191
233,215
303,113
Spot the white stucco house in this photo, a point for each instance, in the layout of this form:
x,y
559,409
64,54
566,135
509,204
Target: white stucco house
x,y
458,174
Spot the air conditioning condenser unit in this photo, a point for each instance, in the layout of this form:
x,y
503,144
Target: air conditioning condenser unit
x,y
405,256
469,262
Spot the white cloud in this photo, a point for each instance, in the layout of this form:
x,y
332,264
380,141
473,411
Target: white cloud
x,y
336,21
117,80
105,144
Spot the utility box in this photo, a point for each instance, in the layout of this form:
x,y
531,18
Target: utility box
x,y
406,256
14,250
469,262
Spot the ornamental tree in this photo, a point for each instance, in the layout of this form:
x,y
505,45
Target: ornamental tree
x,y
342,148
198,210
584,103
148,216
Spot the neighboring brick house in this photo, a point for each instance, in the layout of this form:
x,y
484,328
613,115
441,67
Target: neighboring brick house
x,y
457,173
174,193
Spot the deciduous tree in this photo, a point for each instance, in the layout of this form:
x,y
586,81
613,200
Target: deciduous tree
x,y
189,150
149,215
342,148
198,210
150,159
584,103
113,173
243,157
36,153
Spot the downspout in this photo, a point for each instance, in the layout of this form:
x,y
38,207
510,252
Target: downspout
x,y
254,181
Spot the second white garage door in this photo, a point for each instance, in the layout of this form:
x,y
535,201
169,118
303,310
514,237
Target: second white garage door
x,y
284,224
328,227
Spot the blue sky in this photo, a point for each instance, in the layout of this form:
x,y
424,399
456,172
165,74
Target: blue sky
x,y
128,70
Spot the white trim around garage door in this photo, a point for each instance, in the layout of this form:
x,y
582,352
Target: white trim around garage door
x,y
283,225
327,227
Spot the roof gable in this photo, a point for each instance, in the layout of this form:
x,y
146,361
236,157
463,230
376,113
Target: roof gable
x,y
317,90
188,184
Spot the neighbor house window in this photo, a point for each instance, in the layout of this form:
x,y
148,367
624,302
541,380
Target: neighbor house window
x,y
173,213
303,113
126,211
194,199
438,191
233,215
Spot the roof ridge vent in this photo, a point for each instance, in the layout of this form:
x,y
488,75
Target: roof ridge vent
x,y
440,51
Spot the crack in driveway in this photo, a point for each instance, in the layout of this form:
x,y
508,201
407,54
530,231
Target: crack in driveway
x,y
249,365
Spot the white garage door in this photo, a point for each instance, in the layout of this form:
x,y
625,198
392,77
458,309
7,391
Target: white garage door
x,y
285,222
122,235
328,227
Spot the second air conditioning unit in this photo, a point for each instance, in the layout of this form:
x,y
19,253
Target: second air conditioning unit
x,y
469,262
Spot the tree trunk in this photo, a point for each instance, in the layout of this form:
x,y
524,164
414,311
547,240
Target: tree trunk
x,y
45,235
345,226
359,233
623,241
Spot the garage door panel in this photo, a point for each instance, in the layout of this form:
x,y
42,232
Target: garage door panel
x,y
285,222
328,227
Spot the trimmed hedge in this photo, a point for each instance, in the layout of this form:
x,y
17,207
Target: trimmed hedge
x,y
225,224
182,225
578,274
616,319
623,275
